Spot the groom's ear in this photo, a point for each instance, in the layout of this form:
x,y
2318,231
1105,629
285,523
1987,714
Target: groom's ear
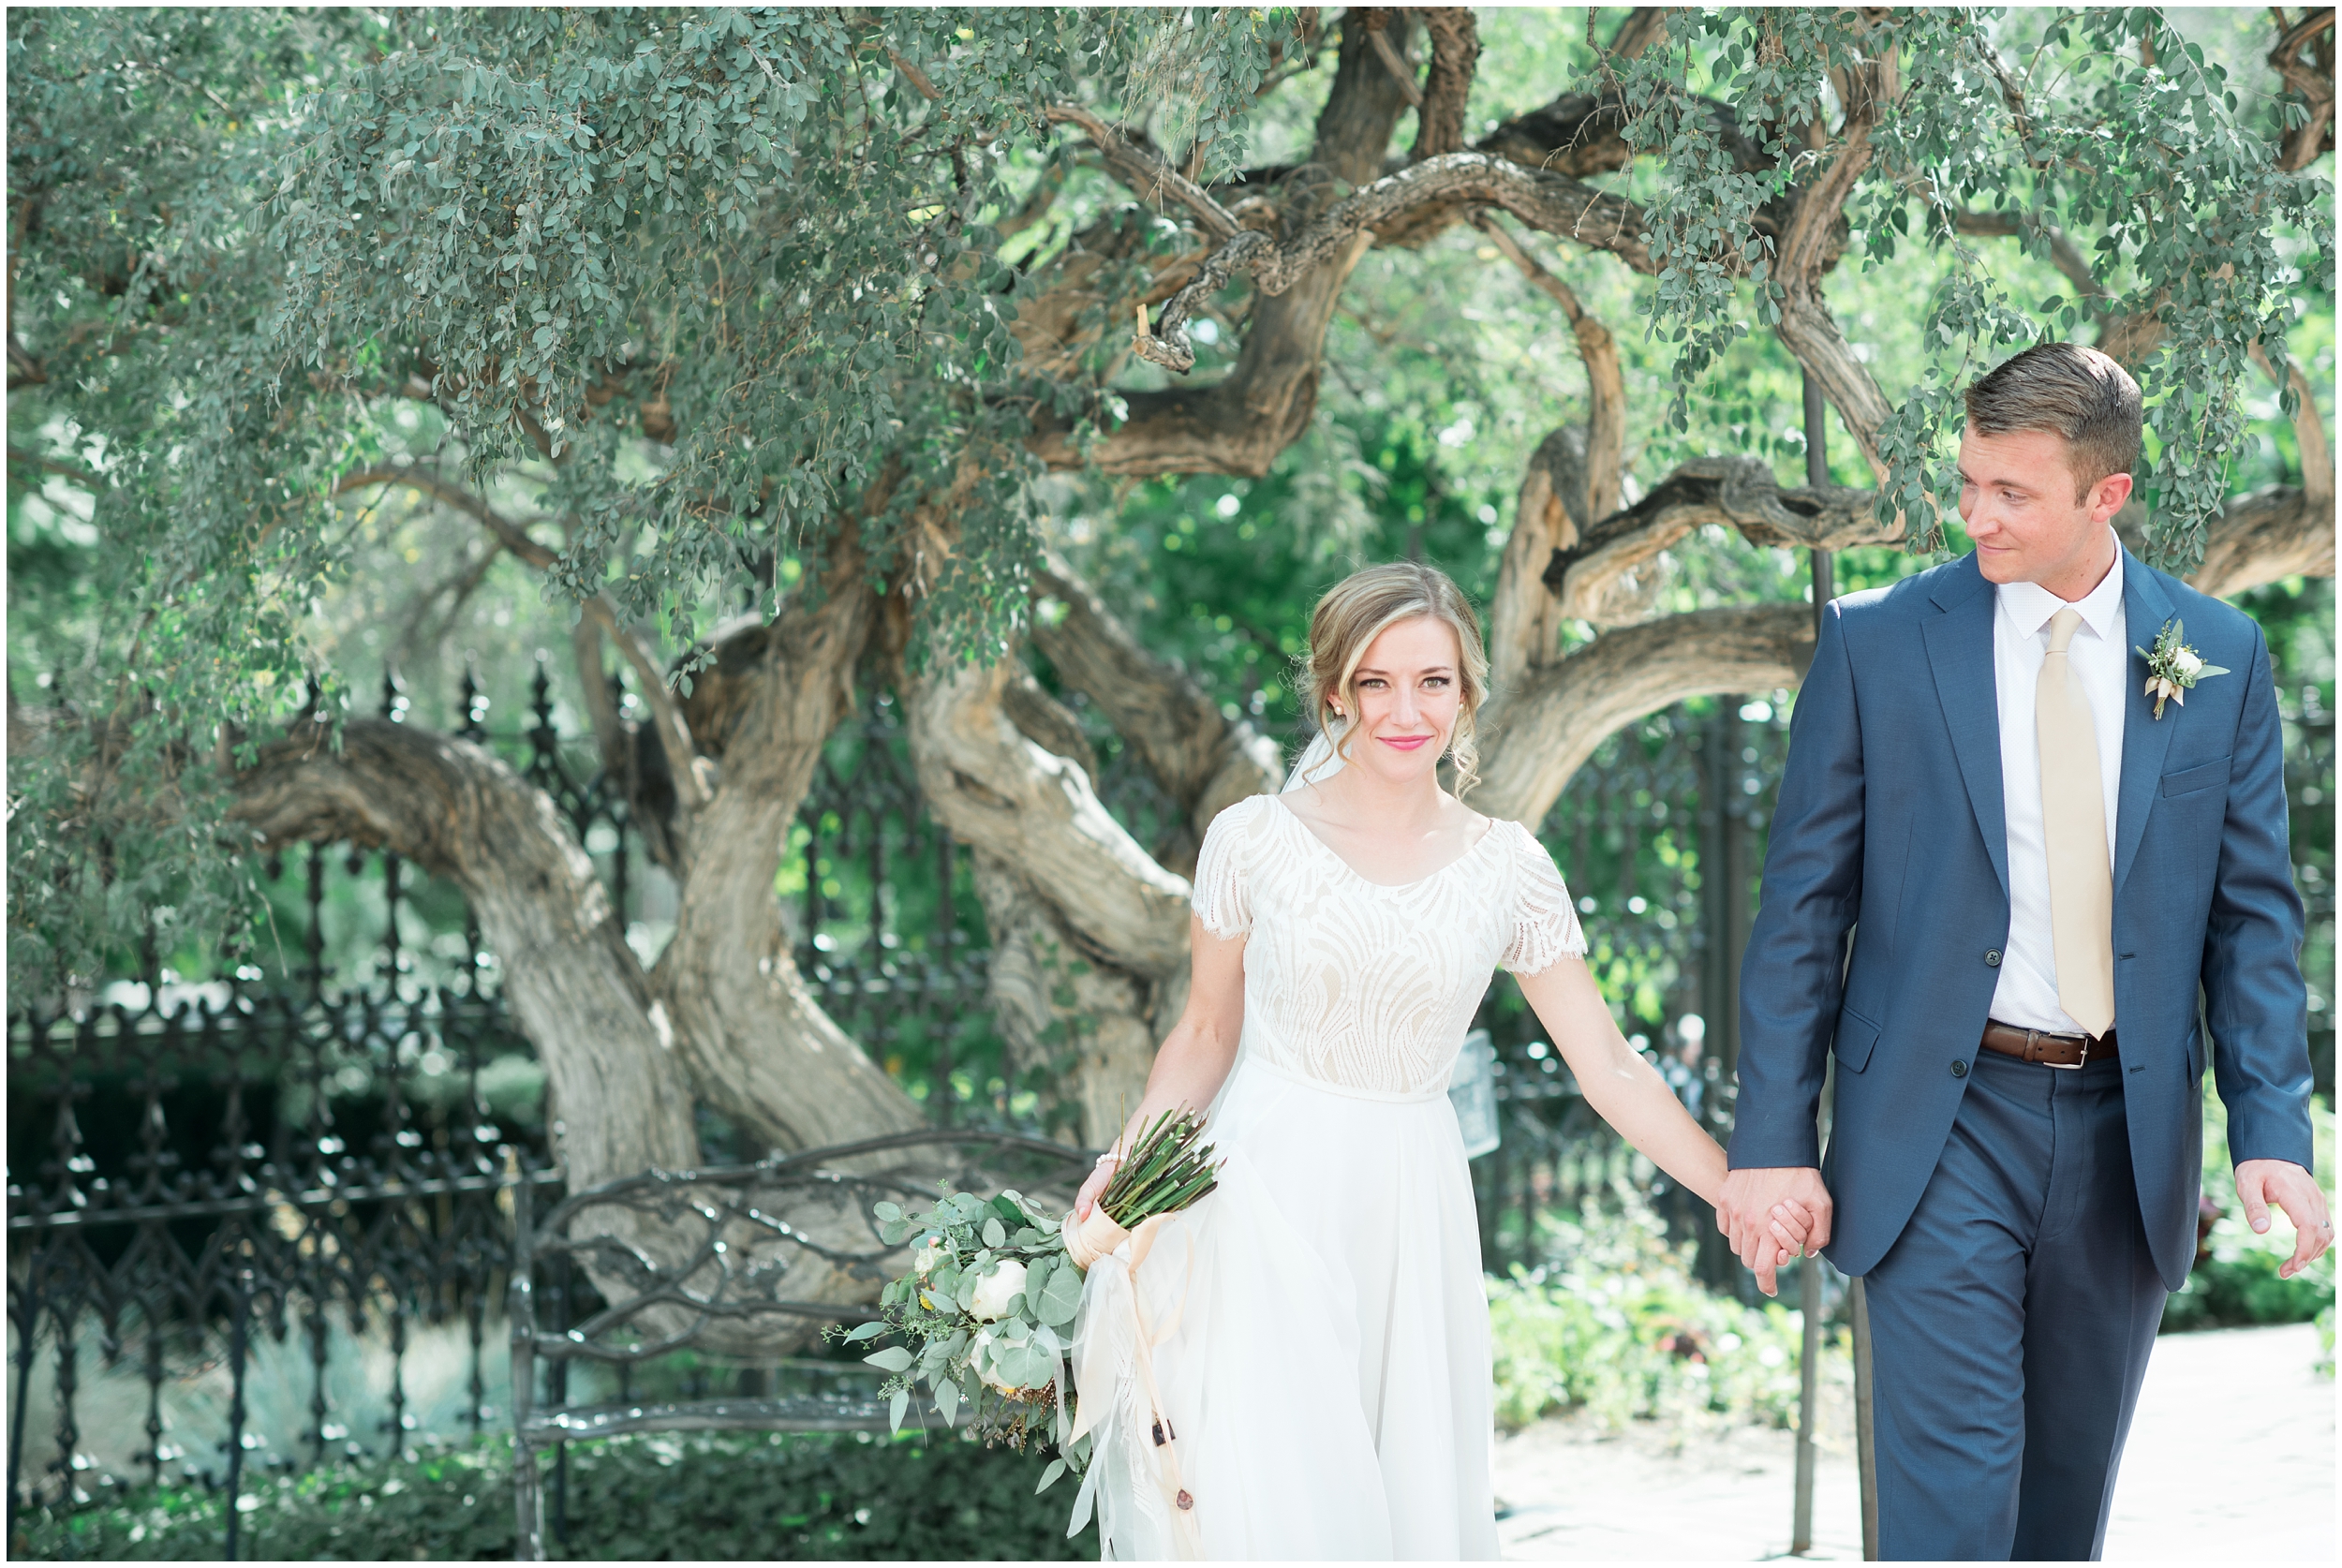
x,y
2107,496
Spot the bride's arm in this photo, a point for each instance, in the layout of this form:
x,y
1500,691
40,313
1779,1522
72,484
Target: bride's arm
x,y
1625,1090
1195,1058
1628,1092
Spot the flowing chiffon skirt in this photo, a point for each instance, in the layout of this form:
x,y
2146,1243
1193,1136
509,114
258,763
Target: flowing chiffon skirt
x,y
1324,1349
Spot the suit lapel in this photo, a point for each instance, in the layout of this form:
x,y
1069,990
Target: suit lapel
x,y
1960,653
2145,608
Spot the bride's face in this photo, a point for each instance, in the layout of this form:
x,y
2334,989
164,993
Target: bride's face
x,y
1408,690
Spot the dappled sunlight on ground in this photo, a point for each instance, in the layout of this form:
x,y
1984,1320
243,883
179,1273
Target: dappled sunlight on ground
x,y
2231,1456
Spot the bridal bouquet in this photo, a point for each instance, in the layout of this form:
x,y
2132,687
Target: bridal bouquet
x,y
985,1312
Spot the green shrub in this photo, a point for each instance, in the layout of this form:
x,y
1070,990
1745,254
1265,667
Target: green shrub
x,y
1619,1327
2238,1286
727,1496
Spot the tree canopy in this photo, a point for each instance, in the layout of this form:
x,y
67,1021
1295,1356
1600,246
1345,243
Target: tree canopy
x,y
1009,358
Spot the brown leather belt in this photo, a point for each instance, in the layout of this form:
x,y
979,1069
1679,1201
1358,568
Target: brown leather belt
x,y
2050,1050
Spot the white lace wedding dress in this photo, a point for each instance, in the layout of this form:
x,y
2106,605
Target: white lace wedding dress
x,y
1320,1323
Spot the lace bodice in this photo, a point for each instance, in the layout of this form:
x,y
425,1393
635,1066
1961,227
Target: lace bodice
x,y
1367,986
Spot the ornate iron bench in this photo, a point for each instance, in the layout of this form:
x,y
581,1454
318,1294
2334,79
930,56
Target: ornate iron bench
x,y
709,1261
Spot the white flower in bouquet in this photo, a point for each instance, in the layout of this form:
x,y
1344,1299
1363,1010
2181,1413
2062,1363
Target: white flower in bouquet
x,y
930,1253
981,1356
2186,661
996,1290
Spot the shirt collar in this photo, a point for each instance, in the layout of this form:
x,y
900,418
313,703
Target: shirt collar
x,y
2031,606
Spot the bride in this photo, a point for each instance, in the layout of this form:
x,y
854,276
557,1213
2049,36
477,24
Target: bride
x,y
1298,1366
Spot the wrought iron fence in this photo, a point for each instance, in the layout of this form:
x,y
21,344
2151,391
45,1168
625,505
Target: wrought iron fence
x,y
1661,838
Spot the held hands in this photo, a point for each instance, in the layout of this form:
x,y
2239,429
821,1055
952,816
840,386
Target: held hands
x,y
1771,1215
2262,1182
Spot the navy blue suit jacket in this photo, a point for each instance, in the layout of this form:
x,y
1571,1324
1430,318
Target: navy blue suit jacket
x,y
1889,827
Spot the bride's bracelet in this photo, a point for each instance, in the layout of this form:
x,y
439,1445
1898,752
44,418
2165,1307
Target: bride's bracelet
x,y
1111,1156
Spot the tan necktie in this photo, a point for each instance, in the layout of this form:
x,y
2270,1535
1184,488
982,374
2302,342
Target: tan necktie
x,y
2073,823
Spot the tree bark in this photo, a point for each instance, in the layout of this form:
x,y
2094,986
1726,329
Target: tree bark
x,y
1455,57
756,1043
1205,761
1596,575
620,1100
1085,924
1057,1007
2283,531
1524,617
1537,736
1239,425
2313,78
1574,476
1003,794
1807,328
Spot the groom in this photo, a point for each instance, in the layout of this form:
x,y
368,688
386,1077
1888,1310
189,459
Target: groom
x,y
2055,894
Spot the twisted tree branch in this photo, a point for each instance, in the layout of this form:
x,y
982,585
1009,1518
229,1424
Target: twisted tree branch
x,y
1736,492
1148,178
1574,476
2063,254
1555,203
1204,760
2265,537
1605,384
692,787
2313,78
1401,72
1542,733
572,983
1239,425
1455,58
1031,809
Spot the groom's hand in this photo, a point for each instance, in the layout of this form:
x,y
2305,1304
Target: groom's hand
x,y
2262,1182
1744,1213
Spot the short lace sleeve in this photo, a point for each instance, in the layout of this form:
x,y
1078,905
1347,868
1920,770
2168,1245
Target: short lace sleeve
x,y
1223,898
1545,922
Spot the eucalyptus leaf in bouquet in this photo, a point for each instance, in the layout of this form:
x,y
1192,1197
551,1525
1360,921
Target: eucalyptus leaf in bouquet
x,y
982,1317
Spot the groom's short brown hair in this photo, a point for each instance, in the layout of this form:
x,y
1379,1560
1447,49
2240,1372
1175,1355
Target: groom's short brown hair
x,y
2075,393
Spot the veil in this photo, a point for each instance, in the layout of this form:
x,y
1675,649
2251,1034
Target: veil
x,y
1318,762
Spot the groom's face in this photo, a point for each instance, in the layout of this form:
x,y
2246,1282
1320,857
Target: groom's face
x,y
2031,518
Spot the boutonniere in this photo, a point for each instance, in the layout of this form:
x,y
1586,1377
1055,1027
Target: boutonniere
x,y
2174,668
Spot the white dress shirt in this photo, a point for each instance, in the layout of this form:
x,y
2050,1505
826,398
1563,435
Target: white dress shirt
x,y
2100,656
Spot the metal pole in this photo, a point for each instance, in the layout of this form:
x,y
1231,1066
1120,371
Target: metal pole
x,y
239,1343
1809,1270
1808,1402
1817,475
25,1311
1865,1454
529,1497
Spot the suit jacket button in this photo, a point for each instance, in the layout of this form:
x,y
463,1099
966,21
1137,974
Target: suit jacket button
x,y
1991,957
1959,1069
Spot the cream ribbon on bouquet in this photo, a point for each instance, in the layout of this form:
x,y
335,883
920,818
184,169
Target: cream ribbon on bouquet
x,y
1114,1345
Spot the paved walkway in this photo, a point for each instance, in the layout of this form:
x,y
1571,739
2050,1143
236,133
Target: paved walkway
x,y
2231,1457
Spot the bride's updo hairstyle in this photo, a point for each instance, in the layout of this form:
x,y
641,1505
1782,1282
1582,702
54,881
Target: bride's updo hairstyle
x,y
1359,609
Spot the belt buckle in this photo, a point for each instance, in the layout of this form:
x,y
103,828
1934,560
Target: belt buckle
x,y
2070,1066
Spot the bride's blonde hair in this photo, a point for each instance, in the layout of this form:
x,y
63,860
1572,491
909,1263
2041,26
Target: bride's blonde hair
x,y
1359,609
